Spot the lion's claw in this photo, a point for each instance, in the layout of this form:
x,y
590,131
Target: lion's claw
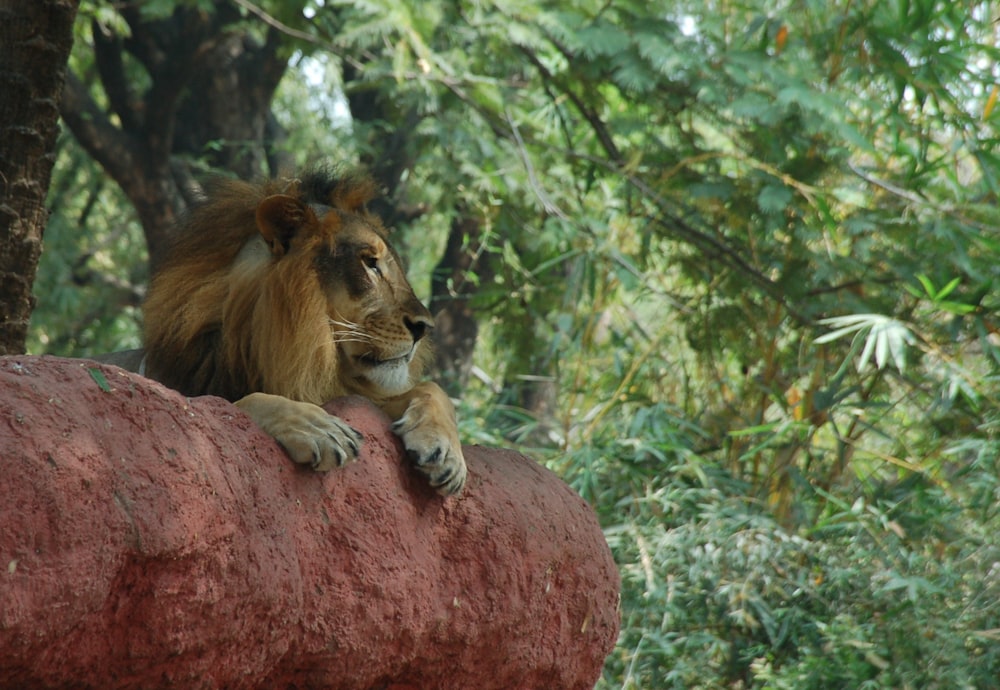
x,y
422,460
433,446
309,434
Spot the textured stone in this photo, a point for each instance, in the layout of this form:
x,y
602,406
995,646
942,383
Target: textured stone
x,y
151,541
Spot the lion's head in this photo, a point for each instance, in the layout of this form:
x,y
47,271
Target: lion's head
x,y
291,289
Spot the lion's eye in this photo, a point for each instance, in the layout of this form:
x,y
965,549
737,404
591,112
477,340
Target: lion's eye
x,y
373,265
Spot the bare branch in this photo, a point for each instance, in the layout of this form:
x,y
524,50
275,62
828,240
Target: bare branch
x,y
277,24
327,46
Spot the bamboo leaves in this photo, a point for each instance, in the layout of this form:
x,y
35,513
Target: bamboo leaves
x,y
885,338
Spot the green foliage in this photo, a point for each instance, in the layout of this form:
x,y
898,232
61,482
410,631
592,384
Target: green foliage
x,y
92,273
744,257
876,593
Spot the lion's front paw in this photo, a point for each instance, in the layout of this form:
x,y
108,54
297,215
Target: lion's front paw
x,y
431,440
310,435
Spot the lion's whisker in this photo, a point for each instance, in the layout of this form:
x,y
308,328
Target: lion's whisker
x,y
352,340
356,334
345,324
350,333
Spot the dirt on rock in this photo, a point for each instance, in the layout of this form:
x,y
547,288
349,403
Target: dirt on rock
x,y
148,540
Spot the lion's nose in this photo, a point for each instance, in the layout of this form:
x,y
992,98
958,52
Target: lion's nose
x,y
418,326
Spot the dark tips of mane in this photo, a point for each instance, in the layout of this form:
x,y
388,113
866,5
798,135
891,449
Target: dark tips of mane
x,y
348,190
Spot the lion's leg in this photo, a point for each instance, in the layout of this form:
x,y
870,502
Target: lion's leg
x,y
310,435
425,421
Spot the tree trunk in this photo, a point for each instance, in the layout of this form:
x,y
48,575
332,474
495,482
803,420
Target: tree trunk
x,y
229,128
35,40
453,285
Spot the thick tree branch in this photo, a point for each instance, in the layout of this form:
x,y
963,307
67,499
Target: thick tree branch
x,y
125,156
145,45
158,129
108,145
394,153
108,57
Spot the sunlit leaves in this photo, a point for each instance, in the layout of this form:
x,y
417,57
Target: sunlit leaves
x,y
657,45
885,338
939,296
104,15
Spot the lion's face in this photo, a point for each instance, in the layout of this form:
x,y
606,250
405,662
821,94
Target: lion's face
x,y
375,320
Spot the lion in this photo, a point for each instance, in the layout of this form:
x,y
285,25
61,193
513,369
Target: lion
x,y
284,295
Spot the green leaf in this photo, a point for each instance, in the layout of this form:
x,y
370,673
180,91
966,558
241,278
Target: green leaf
x,y
948,288
886,338
659,53
959,308
603,40
632,74
750,431
775,198
99,377
928,285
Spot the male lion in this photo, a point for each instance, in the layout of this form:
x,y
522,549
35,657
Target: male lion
x,y
282,296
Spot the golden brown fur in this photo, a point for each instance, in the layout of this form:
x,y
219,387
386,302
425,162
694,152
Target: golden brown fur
x,y
284,295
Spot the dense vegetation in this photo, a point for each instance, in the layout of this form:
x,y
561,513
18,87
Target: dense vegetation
x,y
734,273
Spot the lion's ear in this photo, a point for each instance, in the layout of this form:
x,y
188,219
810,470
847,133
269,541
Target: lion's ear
x,y
280,218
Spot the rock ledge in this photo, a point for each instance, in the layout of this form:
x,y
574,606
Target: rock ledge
x,y
151,541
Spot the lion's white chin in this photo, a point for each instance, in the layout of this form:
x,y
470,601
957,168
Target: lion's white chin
x,y
391,377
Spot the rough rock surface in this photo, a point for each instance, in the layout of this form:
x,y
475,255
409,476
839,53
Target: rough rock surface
x,y
150,541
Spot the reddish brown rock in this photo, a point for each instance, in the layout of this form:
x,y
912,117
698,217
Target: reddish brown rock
x,y
148,540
